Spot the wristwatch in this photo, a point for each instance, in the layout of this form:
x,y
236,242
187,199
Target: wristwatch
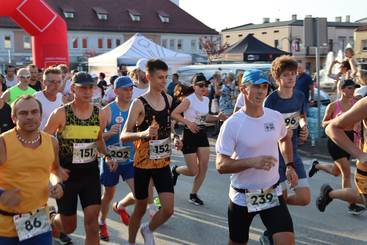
x,y
291,164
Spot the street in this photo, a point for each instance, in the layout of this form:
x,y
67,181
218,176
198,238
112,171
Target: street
x,y
207,225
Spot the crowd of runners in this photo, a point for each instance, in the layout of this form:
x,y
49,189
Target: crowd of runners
x,y
64,135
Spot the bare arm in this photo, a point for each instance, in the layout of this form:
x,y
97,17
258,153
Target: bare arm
x,y
311,88
58,174
181,108
100,141
5,96
286,147
135,112
113,130
55,121
328,114
335,130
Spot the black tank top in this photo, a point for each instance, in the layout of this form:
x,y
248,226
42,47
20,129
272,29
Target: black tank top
x,y
6,122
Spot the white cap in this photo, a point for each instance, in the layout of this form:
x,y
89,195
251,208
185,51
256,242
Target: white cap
x,y
141,64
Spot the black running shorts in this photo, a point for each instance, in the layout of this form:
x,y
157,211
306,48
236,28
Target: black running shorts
x,y
191,142
335,151
86,186
276,219
162,179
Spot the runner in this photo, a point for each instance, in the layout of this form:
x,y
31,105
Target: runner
x,y
149,126
247,147
6,122
139,78
195,109
50,97
78,126
116,113
23,198
21,88
341,158
10,77
34,82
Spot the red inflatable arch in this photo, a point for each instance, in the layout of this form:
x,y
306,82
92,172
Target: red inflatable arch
x,y
47,28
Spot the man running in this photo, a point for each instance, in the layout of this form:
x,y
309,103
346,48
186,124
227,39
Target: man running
x,y
247,147
79,126
23,196
149,126
336,131
116,113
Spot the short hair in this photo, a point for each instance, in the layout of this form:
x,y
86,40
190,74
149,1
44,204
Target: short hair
x,y
281,64
113,78
32,66
349,50
10,66
25,97
175,75
101,74
51,70
362,77
64,68
154,65
345,64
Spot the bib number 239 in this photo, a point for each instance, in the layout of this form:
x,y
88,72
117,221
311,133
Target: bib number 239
x,y
160,149
257,201
29,226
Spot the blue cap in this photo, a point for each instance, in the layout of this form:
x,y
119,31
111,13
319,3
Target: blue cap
x,y
123,82
254,76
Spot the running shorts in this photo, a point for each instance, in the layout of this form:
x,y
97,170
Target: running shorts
x,y
109,179
335,151
191,142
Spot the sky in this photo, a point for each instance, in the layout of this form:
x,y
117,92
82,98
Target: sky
x,y
221,14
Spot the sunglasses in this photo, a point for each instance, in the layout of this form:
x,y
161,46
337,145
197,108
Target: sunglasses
x,y
25,77
202,85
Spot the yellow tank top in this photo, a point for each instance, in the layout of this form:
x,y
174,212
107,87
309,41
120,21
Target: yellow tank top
x,y
28,170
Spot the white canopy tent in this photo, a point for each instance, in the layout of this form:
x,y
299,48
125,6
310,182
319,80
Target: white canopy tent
x,y
131,51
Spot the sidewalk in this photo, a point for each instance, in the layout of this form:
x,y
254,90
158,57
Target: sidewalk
x,y
318,151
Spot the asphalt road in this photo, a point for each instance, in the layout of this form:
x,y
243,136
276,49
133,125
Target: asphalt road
x,y
207,225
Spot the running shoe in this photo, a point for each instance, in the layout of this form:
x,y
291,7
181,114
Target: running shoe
x,y
313,170
157,202
356,209
124,216
266,239
174,174
194,199
147,234
103,233
63,239
323,200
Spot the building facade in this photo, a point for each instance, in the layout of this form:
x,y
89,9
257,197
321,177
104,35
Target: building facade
x,y
288,36
360,46
95,27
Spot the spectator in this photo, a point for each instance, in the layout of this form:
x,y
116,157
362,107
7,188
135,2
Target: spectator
x,y
6,122
349,53
172,85
362,80
343,74
102,84
305,84
213,99
22,88
122,70
225,93
65,89
2,84
10,77
97,92
34,82
110,94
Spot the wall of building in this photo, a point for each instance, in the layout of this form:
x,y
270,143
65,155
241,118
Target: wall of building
x,y
360,45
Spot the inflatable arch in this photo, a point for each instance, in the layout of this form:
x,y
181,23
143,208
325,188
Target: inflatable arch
x,y
47,28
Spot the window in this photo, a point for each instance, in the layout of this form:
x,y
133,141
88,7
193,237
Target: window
x,y
364,45
75,42
228,36
84,42
109,43
240,35
164,43
193,44
331,45
102,16
172,44
134,15
179,44
101,13
117,42
27,42
276,31
163,16
264,32
7,42
276,43
69,15
100,43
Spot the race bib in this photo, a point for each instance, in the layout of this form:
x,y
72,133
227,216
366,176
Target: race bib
x,y
31,225
159,149
261,200
291,119
200,118
120,154
84,152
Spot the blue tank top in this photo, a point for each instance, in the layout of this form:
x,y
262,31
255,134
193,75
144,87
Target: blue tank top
x,y
120,117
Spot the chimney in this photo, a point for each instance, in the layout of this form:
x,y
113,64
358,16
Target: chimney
x,y
347,18
309,16
294,17
338,19
277,20
266,20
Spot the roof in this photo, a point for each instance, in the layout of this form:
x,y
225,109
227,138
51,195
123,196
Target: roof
x,y
361,28
252,45
119,20
289,23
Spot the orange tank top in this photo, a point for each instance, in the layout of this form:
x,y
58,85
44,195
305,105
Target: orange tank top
x,y
27,170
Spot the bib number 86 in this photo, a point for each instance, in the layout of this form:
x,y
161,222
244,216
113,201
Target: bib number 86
x,y
261,199
29,226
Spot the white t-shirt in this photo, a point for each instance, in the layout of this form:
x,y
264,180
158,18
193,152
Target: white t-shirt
x,y
138,92
47,106
67,88
240,102
242,136
198,109
362,91
11,83
109,95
